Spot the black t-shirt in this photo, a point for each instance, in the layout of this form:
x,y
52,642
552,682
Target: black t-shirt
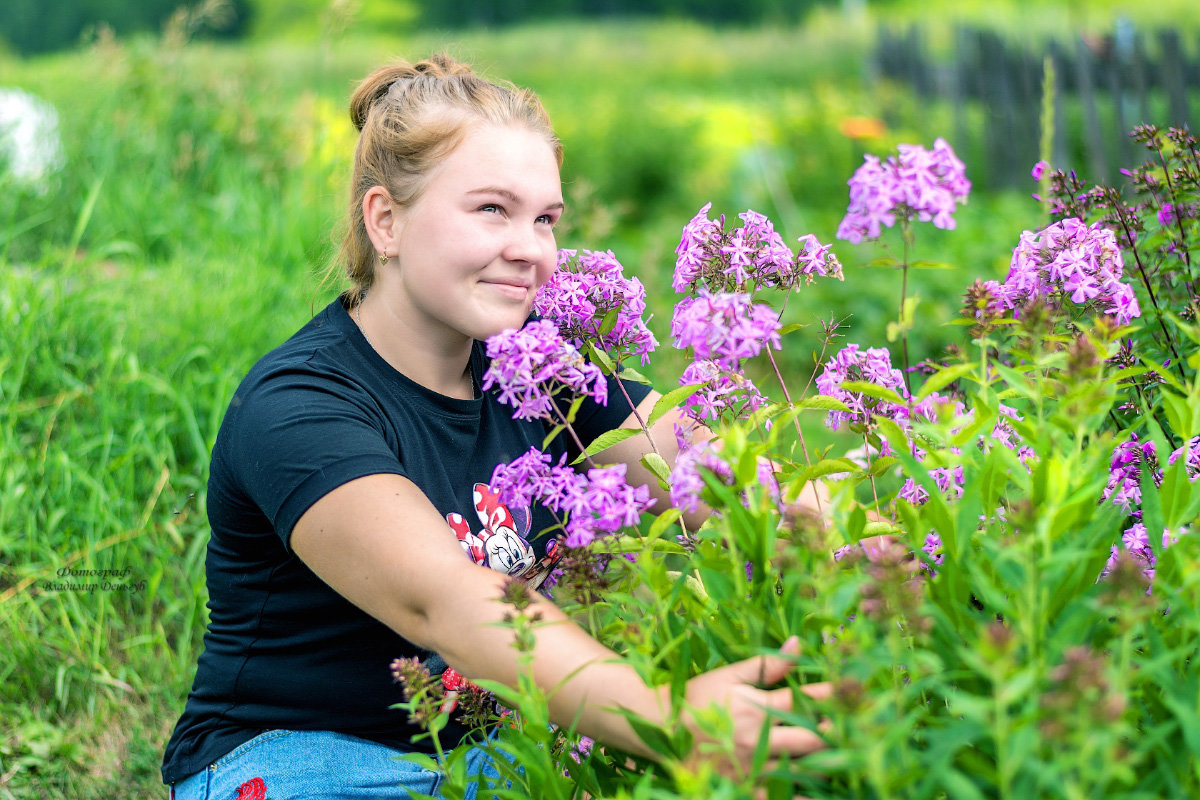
x,y
283,650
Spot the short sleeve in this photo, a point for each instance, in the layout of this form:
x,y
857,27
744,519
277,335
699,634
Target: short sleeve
x,y
294,435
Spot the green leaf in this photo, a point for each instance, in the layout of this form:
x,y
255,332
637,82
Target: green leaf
x,y
601,358
574,409
671,400
663,521
631,374
792,328
658,467
1180,415
822,402
874,391
827,466
644,544
931,265
607,440
882,464
886,261
943,378
555,431
1017,381
610,321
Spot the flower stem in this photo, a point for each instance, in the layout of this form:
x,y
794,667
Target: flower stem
x,y
1150,291
906,236
788,398
571,430
637,415
1178,214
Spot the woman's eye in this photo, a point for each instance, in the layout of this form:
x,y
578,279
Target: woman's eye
x,y
491,208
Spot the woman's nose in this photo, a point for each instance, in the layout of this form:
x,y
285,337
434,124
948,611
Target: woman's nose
x,y
530,244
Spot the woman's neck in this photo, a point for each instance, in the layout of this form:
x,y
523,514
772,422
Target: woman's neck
x,y
439,363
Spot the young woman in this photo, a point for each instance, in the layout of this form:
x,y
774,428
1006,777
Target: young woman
x,y
347,451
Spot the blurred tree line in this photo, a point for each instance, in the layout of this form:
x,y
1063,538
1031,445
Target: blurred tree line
x,y
456,12
29,27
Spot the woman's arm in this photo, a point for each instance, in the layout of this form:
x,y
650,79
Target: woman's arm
x,y
814,497
380,543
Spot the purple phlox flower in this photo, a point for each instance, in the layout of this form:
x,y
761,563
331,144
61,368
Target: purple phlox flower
x,y
698,244
720,391
816,258
686,479
1072,260
524,479
765,471
1191,454
531,364
597,504
587,286
1166,215
720,260
1124,487
926,185
725,327
949,481
603,504
533,477
769,260
582,748
933,547
1039,169
873,365
1136,541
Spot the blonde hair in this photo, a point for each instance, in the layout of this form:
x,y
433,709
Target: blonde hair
x,y
410,117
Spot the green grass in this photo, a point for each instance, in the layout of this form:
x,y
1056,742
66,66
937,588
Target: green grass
x,y
184,239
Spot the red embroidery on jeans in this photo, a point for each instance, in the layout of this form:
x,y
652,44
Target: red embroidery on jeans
x,y
253,789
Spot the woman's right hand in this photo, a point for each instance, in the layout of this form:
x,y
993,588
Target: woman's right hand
x,y
736,688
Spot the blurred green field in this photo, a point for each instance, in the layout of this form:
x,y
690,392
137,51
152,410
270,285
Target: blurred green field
x,y
187,235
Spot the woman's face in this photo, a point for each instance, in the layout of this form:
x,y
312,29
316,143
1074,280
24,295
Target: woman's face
x,y
479,241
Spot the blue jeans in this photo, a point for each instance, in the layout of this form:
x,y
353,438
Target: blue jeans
x,y
317,765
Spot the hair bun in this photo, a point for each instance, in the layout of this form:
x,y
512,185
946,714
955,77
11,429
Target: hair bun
x,y
375,87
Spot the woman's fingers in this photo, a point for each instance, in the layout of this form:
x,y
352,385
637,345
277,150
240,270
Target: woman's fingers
x,y
766,670
818,691
793,740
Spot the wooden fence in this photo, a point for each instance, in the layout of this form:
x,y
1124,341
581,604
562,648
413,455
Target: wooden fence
x,y
1104,86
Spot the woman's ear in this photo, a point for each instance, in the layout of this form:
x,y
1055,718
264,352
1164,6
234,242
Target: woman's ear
x,y
380,218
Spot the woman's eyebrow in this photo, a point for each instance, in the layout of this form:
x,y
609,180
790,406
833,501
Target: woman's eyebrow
x,y
507,194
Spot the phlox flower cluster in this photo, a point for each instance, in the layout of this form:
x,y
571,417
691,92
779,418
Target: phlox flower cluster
x,y
694,460
926,185
1190,452
1131,458
1068,260
687,479
708,255
720,391
853,364
725,327
950,480
588,286
532,363
1136,541
1124,489
597,504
